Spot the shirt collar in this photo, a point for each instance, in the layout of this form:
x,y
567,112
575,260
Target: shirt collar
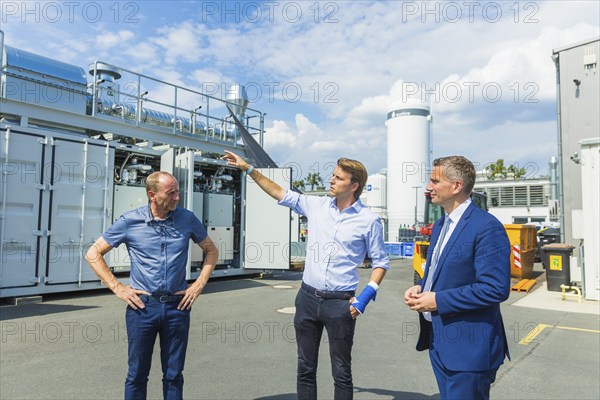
x,y
457,213
149,217
356,206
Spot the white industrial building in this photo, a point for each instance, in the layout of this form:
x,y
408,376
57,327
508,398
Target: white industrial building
x,y
518,201
578,102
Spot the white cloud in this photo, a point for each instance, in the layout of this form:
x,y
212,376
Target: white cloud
x,y
306,128
210,77
327,146
296,138
109,39
146,53
370,110
280,134
180,42
528,144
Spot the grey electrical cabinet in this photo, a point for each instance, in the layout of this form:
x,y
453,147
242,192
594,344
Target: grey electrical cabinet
x,y
218,210
223,239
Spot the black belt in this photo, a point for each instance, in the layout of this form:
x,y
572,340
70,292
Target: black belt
x,y
327,294
165,298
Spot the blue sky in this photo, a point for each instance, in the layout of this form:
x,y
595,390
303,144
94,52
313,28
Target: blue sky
x,y
325,72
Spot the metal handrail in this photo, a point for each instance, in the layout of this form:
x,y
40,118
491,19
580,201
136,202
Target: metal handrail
x,y
138,99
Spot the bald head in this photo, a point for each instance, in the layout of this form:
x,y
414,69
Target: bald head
x,y
155,180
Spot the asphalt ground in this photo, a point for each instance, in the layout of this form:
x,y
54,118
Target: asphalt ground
x,y
241,347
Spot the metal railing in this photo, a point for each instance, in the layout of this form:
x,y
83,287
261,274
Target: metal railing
x,y
182,119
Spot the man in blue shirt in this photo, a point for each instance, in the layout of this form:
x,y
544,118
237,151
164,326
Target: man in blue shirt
x,y
158,298
342,232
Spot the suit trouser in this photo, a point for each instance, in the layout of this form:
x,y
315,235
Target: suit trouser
x,y
460,385
172,325
312,315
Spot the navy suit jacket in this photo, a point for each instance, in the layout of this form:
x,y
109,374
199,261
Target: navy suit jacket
x,y
470,281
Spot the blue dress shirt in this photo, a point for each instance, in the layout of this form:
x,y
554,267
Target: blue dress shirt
x,y
337,241
158,249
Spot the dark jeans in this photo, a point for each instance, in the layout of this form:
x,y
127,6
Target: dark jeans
x,y
312,314
172,326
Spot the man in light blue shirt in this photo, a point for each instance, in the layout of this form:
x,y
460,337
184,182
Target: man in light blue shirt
x,y
342,231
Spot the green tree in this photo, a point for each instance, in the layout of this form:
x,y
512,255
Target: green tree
x,y
496,169
516,171
314,180
299,184
499,170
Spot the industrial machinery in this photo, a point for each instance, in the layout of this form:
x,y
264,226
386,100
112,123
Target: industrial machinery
x,y
433,212
75,153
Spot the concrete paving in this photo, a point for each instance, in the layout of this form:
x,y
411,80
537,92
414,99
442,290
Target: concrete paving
x,y
241,347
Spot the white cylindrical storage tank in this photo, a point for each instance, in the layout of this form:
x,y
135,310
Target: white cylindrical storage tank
x,y
376,194
409,162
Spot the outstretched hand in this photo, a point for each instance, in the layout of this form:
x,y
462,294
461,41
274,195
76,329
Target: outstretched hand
x,y
235,161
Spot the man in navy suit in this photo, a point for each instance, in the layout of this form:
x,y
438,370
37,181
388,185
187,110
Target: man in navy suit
x,y
467,276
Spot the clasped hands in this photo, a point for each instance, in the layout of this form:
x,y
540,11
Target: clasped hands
x,y
419,301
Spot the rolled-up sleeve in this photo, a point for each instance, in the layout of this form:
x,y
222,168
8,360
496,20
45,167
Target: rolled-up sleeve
x,y
295,201
376,246
303,204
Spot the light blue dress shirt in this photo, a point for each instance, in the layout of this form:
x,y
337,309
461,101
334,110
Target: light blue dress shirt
x,y
158,249
337,241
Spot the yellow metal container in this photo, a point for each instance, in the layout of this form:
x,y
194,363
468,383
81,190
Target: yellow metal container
x,y
523,241
522,235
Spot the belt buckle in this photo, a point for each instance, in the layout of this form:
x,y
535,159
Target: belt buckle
x,y
164,298
317,293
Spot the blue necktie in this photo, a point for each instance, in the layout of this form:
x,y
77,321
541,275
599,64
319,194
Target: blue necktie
x,y
435,259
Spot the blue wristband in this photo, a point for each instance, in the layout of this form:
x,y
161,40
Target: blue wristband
x,y
250,170
360,302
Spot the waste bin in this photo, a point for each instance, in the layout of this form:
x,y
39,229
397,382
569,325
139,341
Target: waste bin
x,y
558,262
547,236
